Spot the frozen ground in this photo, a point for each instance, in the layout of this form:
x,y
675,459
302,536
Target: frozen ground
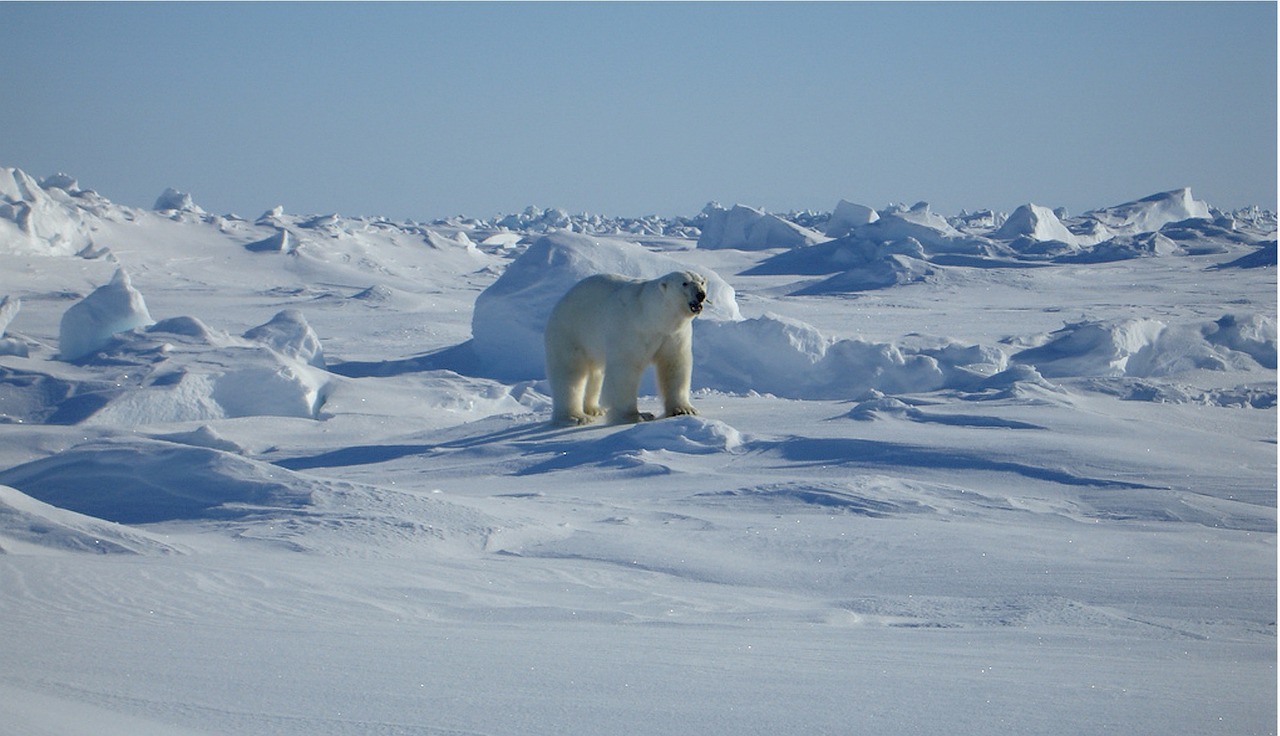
x,y
963,474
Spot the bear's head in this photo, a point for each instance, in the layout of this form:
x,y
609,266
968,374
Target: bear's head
x,y
686,289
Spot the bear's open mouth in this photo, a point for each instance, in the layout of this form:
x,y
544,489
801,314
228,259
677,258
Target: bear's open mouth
x,y
695,307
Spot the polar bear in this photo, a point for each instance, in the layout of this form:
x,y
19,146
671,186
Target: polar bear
x,y
606,330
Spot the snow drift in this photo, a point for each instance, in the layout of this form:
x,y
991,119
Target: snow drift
x,y
141,481
29,525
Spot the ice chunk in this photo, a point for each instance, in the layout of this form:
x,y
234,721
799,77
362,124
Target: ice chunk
x,y
848,217
279,242
90,323
172,199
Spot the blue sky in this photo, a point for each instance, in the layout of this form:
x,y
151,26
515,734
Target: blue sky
x,y
420,111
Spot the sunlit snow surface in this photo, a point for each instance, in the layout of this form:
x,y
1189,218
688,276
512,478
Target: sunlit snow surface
x,y
966,474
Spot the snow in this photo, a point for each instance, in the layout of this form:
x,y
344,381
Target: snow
x,y
962,475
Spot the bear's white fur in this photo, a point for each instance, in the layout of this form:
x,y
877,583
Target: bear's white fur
x,y
606,330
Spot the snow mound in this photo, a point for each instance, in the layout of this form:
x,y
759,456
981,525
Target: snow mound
x,y
1122,248
34,221
747,228
1149,214
842,254
1036,223
893,270
1151,348
638,446
203,436
140,481
1253,335
289,334
91,323
509,317
689,435
29,525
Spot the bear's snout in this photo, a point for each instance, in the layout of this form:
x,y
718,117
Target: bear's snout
x,y
699,297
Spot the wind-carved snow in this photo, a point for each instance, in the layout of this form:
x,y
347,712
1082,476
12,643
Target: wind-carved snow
x,y
276,369
915,432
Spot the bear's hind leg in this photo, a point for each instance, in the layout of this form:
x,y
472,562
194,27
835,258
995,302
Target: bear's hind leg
x,y
568,379
621,384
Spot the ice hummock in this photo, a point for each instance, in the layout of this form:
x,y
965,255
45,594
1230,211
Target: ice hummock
x,y
33,221
1149,214
1036,222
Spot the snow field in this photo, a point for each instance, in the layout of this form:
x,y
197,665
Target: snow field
x,y
950,474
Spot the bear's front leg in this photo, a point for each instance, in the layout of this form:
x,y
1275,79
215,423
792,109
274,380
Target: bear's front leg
x,y
591,397
674,373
